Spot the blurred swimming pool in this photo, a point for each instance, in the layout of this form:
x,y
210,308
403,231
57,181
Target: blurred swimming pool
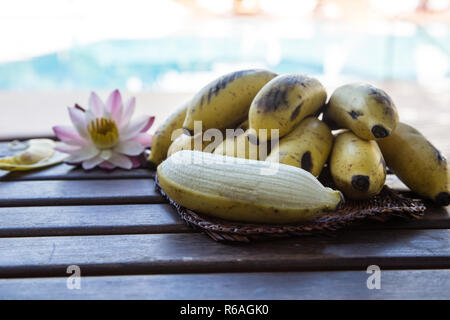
x,y
159,64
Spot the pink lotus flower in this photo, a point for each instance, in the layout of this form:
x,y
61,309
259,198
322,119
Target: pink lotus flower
x,y
103,135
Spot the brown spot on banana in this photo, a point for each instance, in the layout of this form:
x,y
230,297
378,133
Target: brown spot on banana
x,y
275,98
296,111
361,182
379,131
306,161
222,84
355,114
380,96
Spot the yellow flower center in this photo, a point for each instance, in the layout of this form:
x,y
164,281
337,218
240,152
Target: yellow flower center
x,y
104,133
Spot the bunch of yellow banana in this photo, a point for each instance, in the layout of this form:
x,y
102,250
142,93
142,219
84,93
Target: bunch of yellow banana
x,y
358,165
256,101
222,104
273,119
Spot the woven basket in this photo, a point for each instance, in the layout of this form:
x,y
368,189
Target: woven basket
x,y
386,205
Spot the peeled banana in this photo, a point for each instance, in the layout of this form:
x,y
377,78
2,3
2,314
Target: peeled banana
x,y
234,189
285,101
225,102
306,147
417,163
165,135
357,166
37,153
368,111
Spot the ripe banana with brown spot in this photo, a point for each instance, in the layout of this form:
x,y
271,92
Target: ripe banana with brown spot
x,y
357,166
307,146
225,101
284,102
368,111
234,189
165,135
417,163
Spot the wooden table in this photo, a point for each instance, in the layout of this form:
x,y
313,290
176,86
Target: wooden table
x,y
129,243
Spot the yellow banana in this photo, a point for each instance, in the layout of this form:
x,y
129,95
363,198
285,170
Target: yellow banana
x,y
239,146
285,101
368,111
306,147
225,101
234,189
185,142
417,163
357,166
164,137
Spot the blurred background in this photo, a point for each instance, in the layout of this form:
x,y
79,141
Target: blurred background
x,y
54,52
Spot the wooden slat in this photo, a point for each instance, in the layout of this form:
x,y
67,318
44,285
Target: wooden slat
x,y
152,218
89,220
187,253
410,284
67,172
78,192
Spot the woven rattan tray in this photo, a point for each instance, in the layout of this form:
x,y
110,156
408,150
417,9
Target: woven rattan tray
x,y
386,205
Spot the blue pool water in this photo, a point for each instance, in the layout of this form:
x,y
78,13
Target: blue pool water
x,y
109,64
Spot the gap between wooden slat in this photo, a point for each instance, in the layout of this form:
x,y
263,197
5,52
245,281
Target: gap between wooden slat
x,y
228,267
95,231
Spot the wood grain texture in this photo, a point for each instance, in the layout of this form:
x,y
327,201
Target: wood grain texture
x,y
408,284
68,172
78,192
146,218
89,220
194,253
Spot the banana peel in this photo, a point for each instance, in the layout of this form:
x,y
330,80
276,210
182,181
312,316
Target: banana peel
x,y
37,153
